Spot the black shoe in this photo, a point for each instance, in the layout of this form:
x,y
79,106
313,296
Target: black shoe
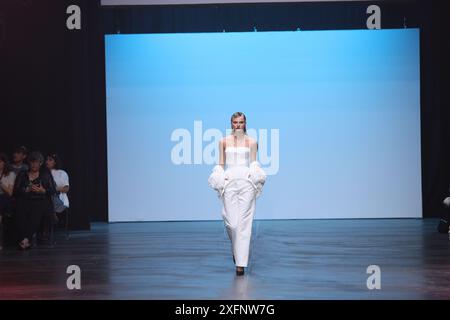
x,y
443,226
240,272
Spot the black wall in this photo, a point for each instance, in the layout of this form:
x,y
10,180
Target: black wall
x,y
52,79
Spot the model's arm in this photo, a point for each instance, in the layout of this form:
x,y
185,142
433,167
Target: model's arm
x,y
253,150
222,153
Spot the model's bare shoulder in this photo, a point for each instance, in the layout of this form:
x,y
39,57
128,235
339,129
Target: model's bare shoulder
x,y
252,142
223,142
228,139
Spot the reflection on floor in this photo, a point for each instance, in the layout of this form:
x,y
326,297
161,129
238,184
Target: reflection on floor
x,y
289,259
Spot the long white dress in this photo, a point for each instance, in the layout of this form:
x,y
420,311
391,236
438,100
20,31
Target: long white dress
x,y
239,197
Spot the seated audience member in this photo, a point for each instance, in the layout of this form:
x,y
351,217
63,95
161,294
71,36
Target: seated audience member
x,y
19,156
7,178
61,179
33,192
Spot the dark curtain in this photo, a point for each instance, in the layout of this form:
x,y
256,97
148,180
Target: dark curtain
x,y
50,101
435,105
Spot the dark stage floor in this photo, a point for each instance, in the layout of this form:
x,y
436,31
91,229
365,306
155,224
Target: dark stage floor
x,y
289,259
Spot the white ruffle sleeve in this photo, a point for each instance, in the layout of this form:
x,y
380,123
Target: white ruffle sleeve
x,y
257,176
217,180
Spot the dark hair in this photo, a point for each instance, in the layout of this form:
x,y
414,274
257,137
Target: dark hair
x,y
6,169
58,162
239,114
36,156
20,149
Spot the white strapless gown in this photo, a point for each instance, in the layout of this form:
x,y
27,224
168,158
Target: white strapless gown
x,y
238,202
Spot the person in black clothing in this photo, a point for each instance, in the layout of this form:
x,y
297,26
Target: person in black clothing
x,y
444,222
19,156
7,178
33,191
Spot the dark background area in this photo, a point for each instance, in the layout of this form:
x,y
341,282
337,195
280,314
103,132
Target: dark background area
x,y
52,93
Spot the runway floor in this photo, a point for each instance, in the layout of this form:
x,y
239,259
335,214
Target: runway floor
x,y
289,259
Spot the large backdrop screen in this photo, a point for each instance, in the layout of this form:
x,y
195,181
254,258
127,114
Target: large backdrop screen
x,y
336,115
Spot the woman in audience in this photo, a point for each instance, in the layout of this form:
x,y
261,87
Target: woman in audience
x,y
61,179
33,191
7,178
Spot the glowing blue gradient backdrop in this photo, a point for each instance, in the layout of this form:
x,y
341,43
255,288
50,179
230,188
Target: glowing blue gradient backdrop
x,y
346,103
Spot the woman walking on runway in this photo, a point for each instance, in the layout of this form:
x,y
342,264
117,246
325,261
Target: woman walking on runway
x,y
239,180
